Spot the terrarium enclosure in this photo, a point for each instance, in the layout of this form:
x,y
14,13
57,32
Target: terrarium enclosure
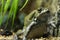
x,y
29,19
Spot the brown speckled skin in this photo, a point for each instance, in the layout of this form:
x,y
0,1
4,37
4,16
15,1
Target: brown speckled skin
x,y
39,29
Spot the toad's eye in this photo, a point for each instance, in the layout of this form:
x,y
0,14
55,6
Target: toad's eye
x,y
39,10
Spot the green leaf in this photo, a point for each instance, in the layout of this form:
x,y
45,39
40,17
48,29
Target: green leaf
x,y
4,9
13,11
6,6
1,11
24,5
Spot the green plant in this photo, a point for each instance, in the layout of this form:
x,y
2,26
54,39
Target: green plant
x,y
13,4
